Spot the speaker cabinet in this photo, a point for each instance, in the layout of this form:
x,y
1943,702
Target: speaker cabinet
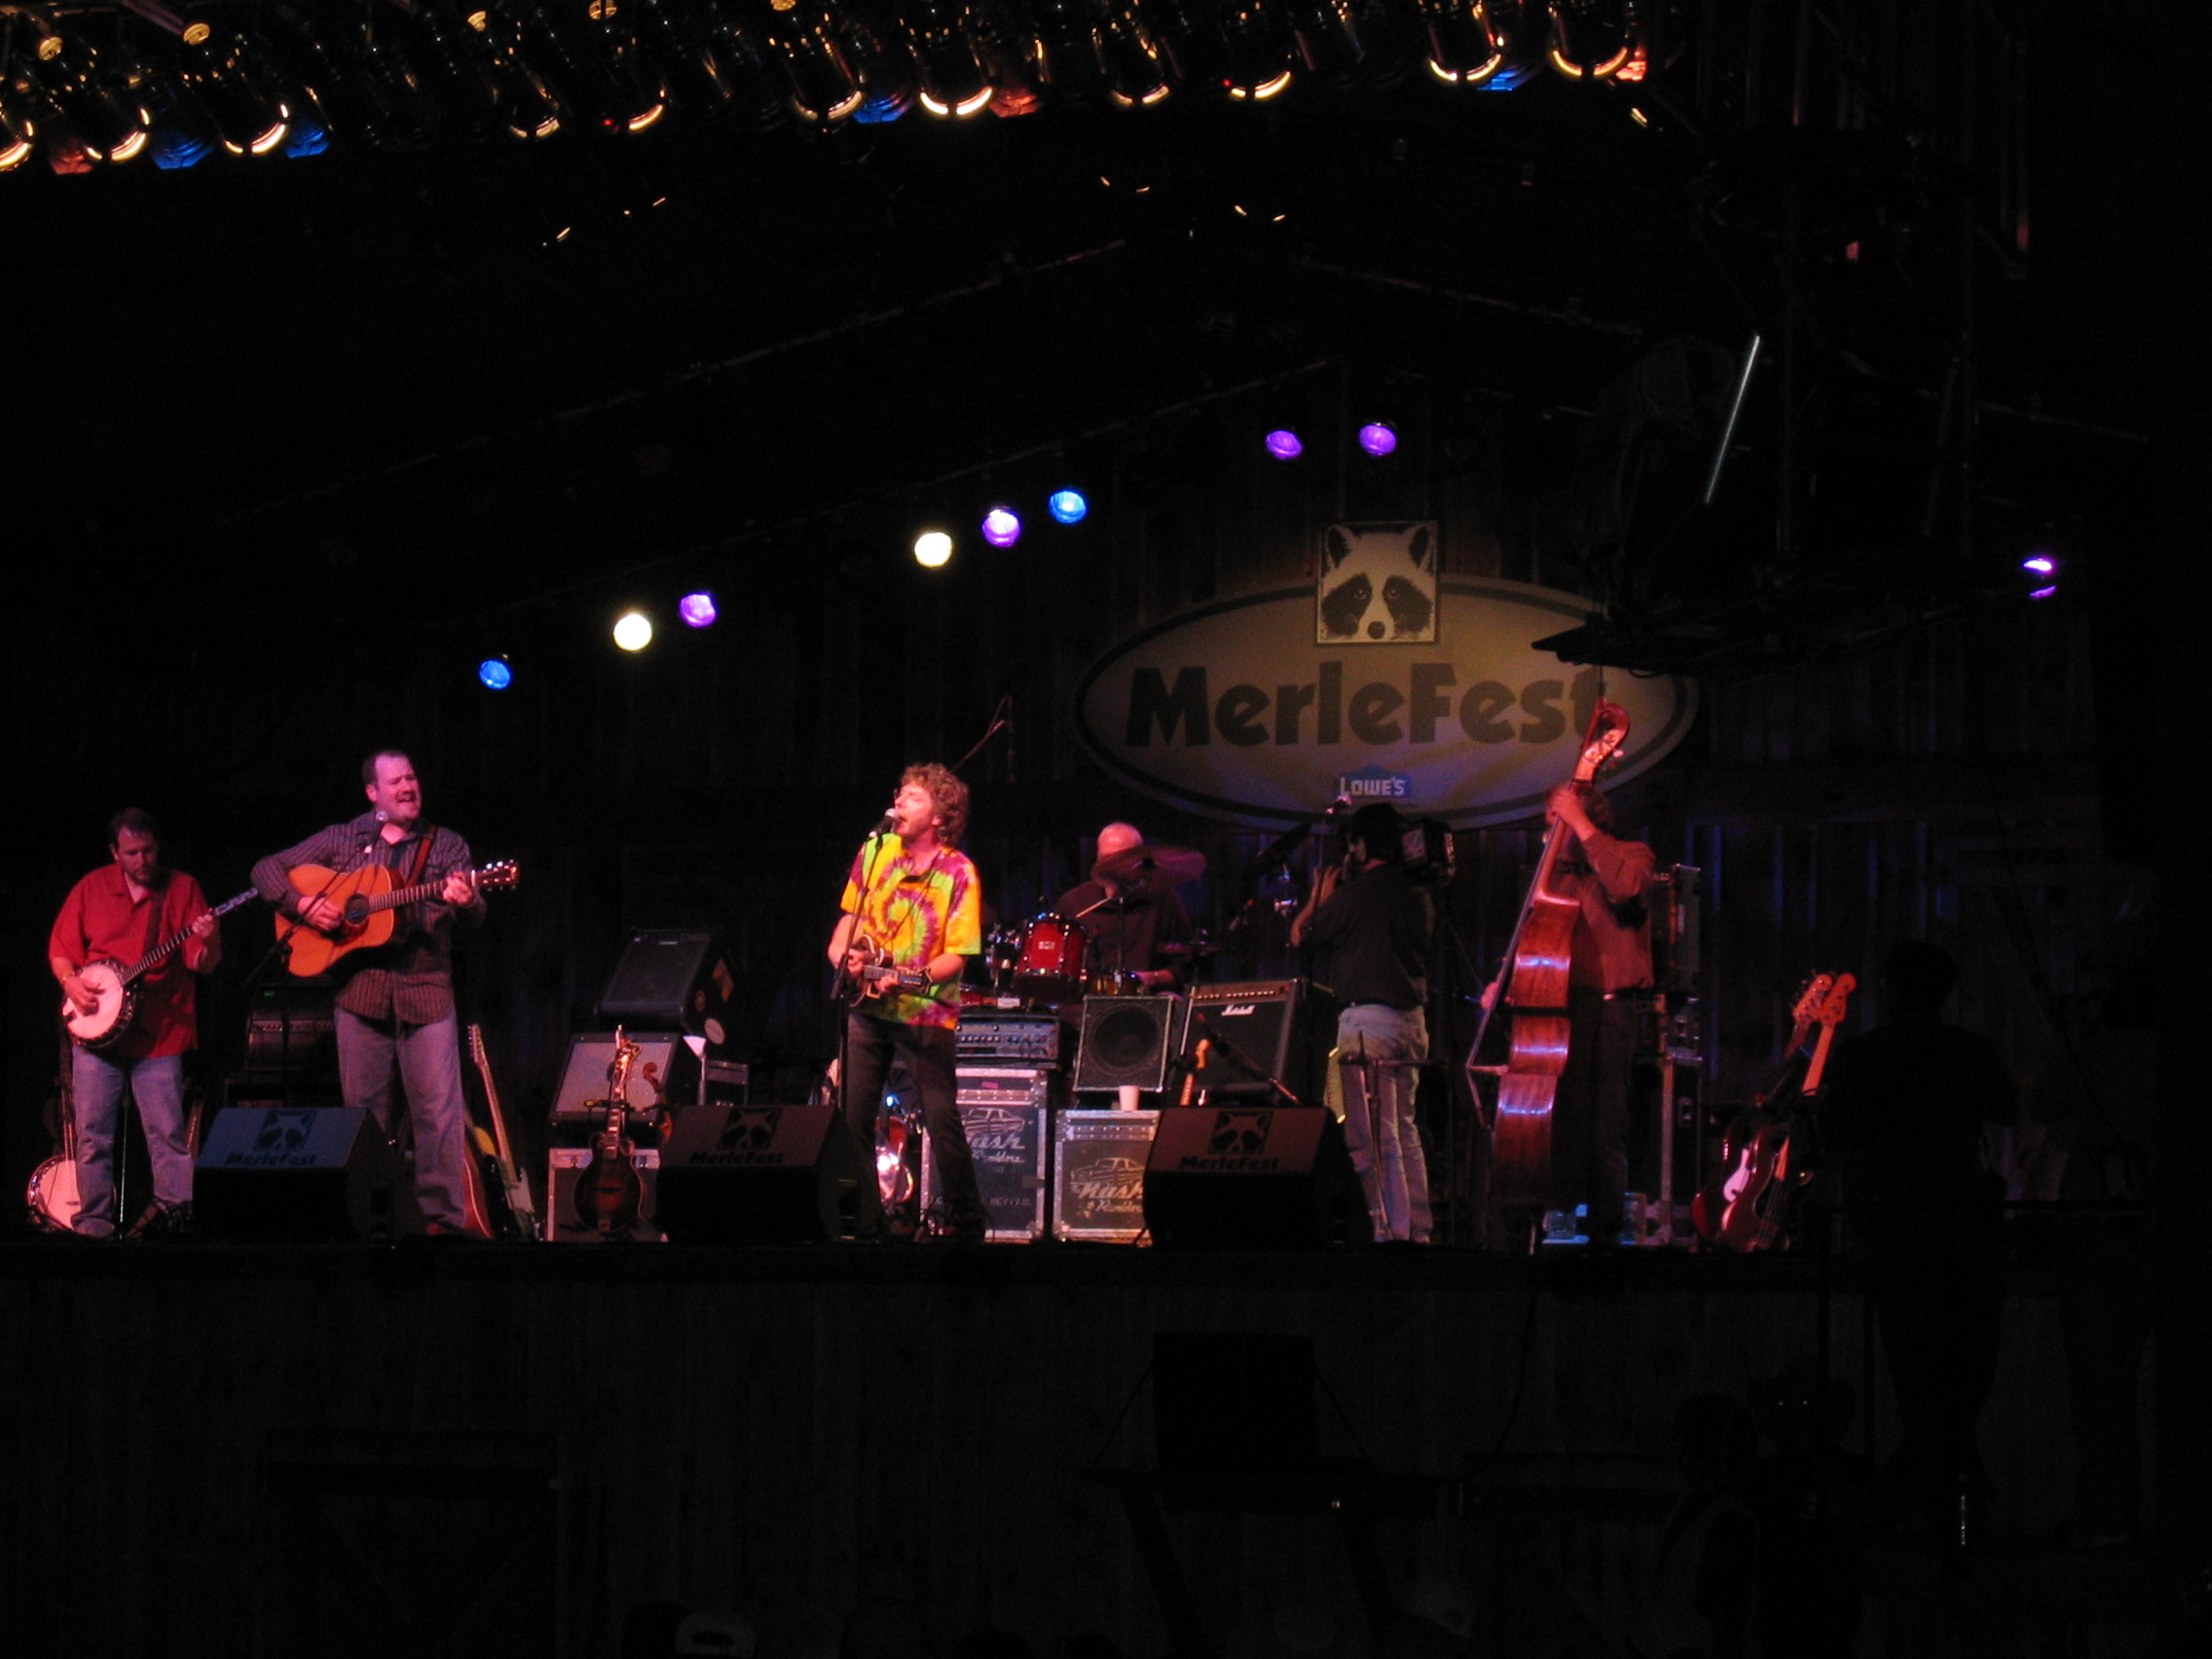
x,y
1255,1039
298,1172
1128,1041
1247,1175
665,1075
758,1174
670,979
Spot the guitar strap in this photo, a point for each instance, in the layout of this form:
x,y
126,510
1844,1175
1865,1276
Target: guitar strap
x,y
422,858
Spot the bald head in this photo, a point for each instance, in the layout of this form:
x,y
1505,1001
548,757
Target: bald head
x,y
1118,838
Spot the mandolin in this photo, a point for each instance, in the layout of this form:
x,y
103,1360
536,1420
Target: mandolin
x,y
368,898
116,986
880,976
610,1190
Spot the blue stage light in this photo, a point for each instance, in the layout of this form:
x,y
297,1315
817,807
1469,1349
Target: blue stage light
x,y
496,674
1068,505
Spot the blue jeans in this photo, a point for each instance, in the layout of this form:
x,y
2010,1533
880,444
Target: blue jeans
x,y
426,1061
1380,1051
157,1085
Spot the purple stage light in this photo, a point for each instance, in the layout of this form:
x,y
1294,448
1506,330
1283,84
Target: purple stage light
x,y
1001,527
1377,438
1283,444
697,610
2043,564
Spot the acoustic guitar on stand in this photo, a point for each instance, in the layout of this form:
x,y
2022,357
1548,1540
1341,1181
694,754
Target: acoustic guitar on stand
x,y
368,898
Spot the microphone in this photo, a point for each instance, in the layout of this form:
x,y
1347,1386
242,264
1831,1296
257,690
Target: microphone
x,y
883,824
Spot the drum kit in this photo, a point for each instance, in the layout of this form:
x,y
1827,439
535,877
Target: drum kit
x,y
1052,959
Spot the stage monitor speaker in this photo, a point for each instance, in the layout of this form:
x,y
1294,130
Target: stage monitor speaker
x,y
1247,1175
671,979
666,1074
1255,1039
1128,1041
758,1174
298,1172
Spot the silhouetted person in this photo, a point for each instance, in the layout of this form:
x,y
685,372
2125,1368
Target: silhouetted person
x,y
1908,1107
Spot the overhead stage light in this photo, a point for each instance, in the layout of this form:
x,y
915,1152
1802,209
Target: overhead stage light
x,y
697,610
1001,527
634,630
231,76
96,104
496,673
1378,438
932,549
1068,505
1283,444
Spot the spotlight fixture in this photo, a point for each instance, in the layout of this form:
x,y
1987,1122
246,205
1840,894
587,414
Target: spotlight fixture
x,y
1590,39
96,104
1485,45
697,610
2043,570
1378,438
1285,445
1259,46
230,75
1068,506
952,77
932,549
1001,527
496,673
634,630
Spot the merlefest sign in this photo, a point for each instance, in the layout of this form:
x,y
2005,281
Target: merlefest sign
x,y
1380,681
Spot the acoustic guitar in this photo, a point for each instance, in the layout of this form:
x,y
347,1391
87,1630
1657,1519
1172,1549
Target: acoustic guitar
x,y
879,976
522,1211
368,900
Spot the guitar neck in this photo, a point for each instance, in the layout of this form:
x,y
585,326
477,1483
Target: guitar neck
x,y
170,944
399,896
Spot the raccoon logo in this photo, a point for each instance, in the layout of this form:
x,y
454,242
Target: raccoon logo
x,y
1240,1134
1377,585
283,1129
747,1131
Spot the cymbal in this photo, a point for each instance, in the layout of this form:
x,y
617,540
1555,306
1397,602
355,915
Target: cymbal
x,y
1153,862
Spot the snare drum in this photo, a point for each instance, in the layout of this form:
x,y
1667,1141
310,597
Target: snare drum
x,y
1051,965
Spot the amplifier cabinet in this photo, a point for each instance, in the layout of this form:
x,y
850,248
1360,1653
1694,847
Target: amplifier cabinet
x,y
563,1166
1012,1142
1098,1175
991,1035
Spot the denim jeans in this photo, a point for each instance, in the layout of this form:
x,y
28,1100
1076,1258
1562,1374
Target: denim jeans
x,y
157,1085
1380,1051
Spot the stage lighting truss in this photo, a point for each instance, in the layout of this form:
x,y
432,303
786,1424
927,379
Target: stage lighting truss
x,y
97,82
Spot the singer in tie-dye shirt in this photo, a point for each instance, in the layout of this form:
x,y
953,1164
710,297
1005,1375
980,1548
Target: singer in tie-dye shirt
x,y
916,900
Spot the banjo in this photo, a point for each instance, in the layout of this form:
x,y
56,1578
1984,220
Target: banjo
x,y
116,986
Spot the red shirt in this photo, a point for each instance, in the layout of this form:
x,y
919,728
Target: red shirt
x,y
99,920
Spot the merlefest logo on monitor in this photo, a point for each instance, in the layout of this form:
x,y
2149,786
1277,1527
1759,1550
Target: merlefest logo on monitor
x,y
1260,708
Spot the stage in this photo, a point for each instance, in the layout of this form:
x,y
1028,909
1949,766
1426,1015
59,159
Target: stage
x,y
477,1448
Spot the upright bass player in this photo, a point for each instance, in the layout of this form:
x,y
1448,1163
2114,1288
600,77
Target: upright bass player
x,y
1581,955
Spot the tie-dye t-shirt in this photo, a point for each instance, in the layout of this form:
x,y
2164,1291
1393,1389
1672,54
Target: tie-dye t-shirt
x,y
916,911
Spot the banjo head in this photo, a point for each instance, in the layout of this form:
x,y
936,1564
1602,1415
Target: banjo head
x,y
106,1024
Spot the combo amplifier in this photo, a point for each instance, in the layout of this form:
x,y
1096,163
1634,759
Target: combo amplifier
x,y
1255,1037
1098,1175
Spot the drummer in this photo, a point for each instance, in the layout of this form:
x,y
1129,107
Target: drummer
x,y
1140,936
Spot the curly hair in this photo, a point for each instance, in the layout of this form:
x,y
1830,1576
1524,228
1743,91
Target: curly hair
x,y
949,794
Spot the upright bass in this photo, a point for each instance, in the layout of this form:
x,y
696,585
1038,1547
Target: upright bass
x,y
1531,984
